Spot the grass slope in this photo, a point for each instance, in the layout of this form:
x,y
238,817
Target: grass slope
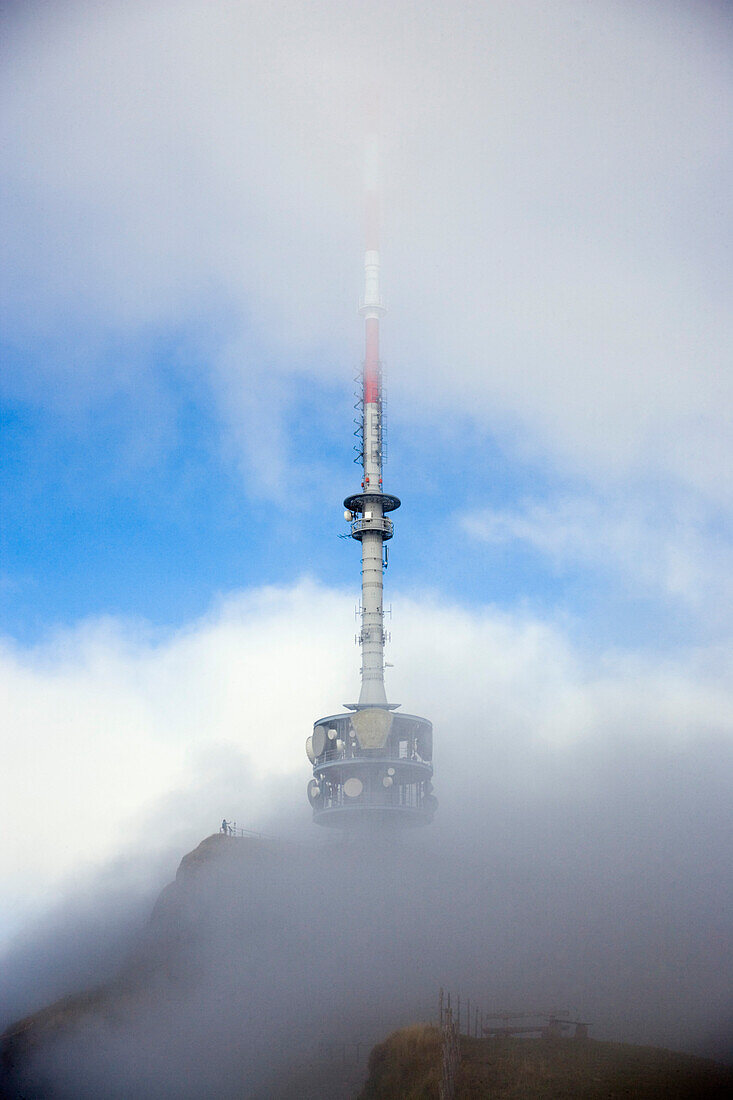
x,y
407,1067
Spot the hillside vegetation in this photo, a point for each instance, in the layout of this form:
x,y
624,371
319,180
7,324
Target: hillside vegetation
x,y
407,1067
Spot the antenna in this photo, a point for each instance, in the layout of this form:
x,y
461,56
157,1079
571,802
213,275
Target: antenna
x,y
371,764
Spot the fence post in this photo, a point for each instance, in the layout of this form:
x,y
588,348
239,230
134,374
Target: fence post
x,y
450,1052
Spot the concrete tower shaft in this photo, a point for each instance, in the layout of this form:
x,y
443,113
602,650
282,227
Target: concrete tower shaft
x,y
372,529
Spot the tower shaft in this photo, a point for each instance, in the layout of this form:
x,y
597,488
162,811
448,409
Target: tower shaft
x,y
371,765
372,536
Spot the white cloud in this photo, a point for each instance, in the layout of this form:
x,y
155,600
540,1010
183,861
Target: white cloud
x,y
672,550
556,207
106,720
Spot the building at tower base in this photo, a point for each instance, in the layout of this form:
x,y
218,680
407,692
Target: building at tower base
x,y
372,765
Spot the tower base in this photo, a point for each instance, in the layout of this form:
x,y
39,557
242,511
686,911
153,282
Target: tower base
x,y
372,766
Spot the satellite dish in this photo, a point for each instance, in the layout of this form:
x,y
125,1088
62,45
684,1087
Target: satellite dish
x,y
390,771
353,787
314,792
309,750
332,734
348,516
387,781
319,740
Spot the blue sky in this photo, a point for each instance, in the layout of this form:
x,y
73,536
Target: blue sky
x,y
136,509
182,227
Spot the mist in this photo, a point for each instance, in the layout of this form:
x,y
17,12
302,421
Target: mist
x,y
579,858
182,227
592,879
556,183
81,934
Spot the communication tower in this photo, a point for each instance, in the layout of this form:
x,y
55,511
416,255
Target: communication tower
x,y
371,763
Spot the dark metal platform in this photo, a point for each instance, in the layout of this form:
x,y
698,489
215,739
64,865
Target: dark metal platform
x,y
357,502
